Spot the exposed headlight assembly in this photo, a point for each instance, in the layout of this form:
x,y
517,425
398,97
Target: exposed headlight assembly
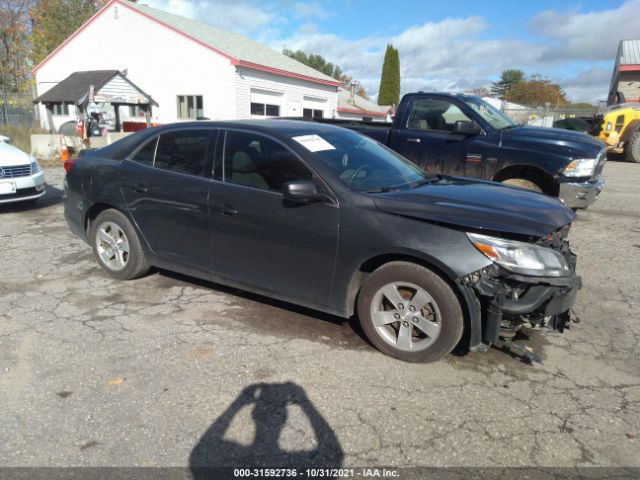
x,y
582,167
35,166
521,257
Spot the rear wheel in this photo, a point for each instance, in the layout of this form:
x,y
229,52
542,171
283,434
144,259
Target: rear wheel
x,y
523,183
410,313
632,148
117,247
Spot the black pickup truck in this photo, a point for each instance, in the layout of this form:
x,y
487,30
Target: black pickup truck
x,y
461,135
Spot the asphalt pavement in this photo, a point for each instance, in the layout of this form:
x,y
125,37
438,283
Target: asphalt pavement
x,y
172,371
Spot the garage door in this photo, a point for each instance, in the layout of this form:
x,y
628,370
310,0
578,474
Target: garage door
x,y
265,103
314,107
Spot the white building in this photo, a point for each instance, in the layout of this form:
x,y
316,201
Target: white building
x,y
355,107
190,69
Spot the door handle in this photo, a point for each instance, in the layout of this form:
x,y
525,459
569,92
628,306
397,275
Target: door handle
x,y
226,209
139,187
413,140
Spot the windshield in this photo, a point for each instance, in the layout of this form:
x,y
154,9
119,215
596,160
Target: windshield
x,y
491,115
362,163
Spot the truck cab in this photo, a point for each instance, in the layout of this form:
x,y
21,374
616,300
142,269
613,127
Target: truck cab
x,y
462,135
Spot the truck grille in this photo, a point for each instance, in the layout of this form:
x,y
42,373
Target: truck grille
x,y
16,171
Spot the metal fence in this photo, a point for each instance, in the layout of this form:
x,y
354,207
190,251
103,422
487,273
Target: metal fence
x,y
17,109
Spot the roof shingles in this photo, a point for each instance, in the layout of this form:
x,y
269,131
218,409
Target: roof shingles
x,y
232,44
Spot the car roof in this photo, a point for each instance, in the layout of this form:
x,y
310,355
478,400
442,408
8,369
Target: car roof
x,y
288,128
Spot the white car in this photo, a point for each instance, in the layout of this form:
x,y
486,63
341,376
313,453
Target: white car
x,y
21,177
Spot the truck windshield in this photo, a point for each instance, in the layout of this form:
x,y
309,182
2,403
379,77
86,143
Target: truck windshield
x,y
362,163
491,115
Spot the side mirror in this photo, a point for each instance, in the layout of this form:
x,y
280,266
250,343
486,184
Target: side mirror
x,y
465,127
5,139
302,191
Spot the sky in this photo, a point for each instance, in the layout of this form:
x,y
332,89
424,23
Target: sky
x,y
450,45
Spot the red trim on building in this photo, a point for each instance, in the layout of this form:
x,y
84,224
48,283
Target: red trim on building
x,y
361,112
255,66
629,68
233,60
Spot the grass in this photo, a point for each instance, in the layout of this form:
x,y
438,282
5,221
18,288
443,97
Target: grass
x,y
20,135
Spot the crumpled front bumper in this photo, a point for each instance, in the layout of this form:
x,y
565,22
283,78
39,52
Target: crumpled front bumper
x,y
580,194
506,300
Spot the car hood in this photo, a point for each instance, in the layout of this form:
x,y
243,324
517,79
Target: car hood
x,y
10,156
479,205
577,144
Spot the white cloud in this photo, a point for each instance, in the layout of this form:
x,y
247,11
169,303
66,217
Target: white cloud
x,y
587,36
312,10
589,85
451,54
239,16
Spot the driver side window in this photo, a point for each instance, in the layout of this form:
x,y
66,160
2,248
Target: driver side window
x,y
434,114
259,162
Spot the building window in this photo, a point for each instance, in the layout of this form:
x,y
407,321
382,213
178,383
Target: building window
x,y
190,107
135,111
61,109
264,109
312,113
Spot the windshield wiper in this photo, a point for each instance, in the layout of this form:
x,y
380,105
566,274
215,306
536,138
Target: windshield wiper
x,y
424,181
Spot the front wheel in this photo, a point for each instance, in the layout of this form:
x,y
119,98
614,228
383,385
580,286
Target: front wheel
x,y
632,149
117,247
409,312
523,183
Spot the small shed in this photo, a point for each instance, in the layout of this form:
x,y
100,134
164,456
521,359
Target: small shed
x,y
96,86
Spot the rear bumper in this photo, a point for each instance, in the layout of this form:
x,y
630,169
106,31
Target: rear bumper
x,y
580,194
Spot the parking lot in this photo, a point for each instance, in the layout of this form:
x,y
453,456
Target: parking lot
x,y
172,371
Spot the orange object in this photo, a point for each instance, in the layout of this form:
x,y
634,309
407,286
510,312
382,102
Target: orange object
x,y
64,150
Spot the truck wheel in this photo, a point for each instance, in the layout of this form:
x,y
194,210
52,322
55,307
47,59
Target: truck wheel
x,y
523,183
632,148
117,246
409,312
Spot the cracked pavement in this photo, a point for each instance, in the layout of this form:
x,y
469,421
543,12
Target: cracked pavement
x,y
155,372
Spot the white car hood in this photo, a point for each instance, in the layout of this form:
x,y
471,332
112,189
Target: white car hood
x,y
10,156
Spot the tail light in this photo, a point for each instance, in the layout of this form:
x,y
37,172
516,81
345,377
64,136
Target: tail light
x,y
68,164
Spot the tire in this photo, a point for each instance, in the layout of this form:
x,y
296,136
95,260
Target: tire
x,y
425,334
632,148
112,234
523,183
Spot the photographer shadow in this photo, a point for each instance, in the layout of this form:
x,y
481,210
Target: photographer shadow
x,y
270,403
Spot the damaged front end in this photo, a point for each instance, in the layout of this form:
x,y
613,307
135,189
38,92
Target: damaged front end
x,y
527,284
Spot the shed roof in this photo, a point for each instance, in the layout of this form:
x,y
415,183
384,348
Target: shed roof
x,y
360,105
629,52
76,86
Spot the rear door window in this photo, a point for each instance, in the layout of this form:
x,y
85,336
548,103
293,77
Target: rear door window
x,y
183,151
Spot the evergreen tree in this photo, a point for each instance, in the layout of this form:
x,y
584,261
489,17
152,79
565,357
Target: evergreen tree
x,y
389,93
508,79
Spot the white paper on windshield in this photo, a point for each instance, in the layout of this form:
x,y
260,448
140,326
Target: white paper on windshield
x,y
314,143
